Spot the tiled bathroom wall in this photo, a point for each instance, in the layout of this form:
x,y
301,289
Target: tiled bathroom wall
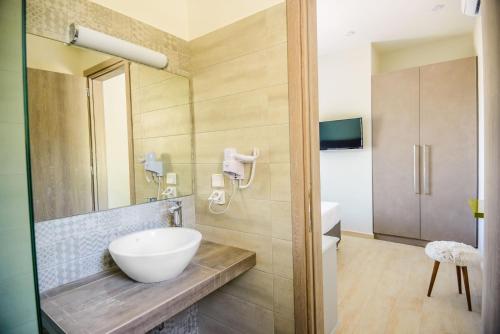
x,y
75,247
240,93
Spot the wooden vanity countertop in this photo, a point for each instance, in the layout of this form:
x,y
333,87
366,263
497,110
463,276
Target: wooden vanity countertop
x,y
110,302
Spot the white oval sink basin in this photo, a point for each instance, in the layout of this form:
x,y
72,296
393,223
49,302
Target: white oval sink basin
x,y
155,255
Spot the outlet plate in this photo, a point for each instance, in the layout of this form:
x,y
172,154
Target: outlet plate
x,y
220,195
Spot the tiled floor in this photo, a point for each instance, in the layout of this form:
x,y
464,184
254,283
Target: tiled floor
x,y
382,288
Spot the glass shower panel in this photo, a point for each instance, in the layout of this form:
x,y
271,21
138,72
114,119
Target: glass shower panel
x,y
18,310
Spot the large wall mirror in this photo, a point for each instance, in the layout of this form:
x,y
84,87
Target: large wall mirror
x,y
104,132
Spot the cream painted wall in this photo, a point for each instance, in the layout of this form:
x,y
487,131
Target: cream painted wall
x,y
49,55
116,132
167,15
344,92
188,19
436,51
206,16
346,175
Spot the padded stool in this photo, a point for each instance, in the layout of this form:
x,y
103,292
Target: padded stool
x,y
459,254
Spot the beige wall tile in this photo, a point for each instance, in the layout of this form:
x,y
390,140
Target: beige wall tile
x,y
283,325
250,216
280,182
207,325
210,145
248,35
283,296
145,75
254,286
253,71
167,122
236,313
240,95
282,258
259,107
278,105
172,149
260,188
261,245
279,143
168,93
165,130
281,219
137,126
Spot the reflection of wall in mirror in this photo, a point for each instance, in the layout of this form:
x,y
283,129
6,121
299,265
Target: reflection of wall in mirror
x,y
162,124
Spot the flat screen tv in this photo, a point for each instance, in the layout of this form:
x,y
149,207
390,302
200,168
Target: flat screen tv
x,y
341,134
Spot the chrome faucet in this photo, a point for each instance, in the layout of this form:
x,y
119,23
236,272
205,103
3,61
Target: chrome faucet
x,y
175,213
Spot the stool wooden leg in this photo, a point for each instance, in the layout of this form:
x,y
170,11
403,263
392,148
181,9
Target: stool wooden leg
x,y
459,280
466,285
433,277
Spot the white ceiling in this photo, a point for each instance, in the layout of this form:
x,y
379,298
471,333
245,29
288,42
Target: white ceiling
x,y
386,21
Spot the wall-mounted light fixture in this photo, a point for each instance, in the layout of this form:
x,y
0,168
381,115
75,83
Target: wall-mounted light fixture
x,y
98,41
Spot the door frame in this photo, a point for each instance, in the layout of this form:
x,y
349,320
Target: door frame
x,y
99,71
304,165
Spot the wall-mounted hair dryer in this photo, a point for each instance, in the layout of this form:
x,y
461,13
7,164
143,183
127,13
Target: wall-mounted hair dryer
x,y
153,171
153,165
234,168
233,165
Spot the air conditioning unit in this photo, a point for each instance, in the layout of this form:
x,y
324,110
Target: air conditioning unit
x,y
471,7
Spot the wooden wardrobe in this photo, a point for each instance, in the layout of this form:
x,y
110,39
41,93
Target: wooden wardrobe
x,y
425,152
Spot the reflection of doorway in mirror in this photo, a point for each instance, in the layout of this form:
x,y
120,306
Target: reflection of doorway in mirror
x,y
112,135
115,130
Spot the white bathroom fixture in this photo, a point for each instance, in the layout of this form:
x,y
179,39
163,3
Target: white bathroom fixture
x,y
153,165
330,215
170,192
329,283
218,195
471,7
155,255
86,37
233,165
234,168
171,189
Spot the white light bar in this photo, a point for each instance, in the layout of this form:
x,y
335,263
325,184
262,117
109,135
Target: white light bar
x,y
98,41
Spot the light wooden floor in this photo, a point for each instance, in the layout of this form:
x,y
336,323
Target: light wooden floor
x,y
382,288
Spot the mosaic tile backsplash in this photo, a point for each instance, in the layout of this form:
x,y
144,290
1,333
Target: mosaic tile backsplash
x,y
71,248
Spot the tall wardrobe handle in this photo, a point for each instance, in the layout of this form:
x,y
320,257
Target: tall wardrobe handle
x,y
427,186
416,168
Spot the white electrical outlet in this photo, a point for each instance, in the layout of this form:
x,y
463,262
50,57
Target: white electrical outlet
x,y
170,192
218,197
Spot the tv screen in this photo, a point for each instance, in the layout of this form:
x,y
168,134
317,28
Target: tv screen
x,y
341,134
